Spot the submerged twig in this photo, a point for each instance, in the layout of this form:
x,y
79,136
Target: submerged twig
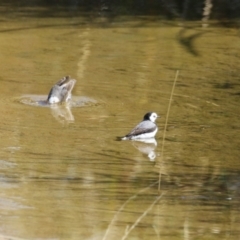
x,y
122,207
165,126
141,217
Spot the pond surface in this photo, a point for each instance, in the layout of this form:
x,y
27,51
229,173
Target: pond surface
x,y
63,174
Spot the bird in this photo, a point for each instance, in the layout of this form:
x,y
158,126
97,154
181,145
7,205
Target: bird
x,y
61,91
145,129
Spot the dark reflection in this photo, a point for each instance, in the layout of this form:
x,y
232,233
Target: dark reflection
x,y
187,10
225,85
205,188
41,26
188,41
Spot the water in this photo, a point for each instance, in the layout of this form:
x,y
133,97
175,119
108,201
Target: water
x,y
63,175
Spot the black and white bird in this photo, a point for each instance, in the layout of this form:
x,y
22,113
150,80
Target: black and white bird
x,y
61,91
145,129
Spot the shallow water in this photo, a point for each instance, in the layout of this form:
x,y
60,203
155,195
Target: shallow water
x,y
63,175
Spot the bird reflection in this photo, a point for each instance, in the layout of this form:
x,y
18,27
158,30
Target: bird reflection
x,y
146,146
62,113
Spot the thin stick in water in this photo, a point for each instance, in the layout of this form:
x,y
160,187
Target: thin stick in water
x,y
123,206
165,126
141,217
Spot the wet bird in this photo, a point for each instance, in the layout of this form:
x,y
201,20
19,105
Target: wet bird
x,y
145,129
61,91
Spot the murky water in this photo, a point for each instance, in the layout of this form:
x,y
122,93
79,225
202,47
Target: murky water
x,y
63,175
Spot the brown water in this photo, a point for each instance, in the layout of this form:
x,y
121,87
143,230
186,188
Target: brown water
x,y
63,175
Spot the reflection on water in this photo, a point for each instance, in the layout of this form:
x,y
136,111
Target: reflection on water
x,y
76,181
146,146
62,113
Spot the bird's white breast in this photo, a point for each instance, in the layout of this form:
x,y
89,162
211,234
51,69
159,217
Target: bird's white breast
x,y
54,100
